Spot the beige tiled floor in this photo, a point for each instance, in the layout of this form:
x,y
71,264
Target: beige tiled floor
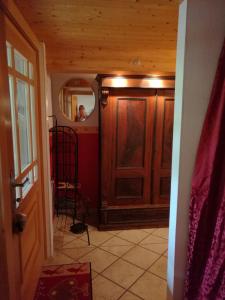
x,y
126,264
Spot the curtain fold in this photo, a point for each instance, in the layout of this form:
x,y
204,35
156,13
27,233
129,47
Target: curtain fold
x,y
205,278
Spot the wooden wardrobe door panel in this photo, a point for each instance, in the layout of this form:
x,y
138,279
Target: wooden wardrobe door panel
x,y
129,177
127,139
163,147
130,132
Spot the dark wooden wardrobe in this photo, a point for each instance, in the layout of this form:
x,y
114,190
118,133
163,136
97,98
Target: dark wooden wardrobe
x,y
136,129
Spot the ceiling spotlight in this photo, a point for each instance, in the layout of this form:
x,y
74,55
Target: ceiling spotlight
x,y
119,82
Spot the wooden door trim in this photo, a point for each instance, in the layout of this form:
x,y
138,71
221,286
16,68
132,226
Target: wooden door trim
x,y
10,9
45,157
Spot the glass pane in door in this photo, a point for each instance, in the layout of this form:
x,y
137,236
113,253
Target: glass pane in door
x,y
14,132
31,71
24,123
20,63
33,122
9,54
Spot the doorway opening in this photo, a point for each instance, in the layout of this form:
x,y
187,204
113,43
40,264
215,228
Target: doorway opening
x,y
128,256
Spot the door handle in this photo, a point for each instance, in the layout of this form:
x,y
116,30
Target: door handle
x,y
22,184
18,185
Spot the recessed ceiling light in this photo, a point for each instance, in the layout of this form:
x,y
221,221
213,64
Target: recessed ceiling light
x,y
119,82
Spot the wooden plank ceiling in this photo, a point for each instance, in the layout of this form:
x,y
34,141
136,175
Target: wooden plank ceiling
x,y
106,36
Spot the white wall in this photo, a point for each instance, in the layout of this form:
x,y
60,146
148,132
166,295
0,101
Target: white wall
x,y
46,109
200,37
49,101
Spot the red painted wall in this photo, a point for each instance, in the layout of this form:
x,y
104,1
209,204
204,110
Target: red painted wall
x,y
88,159
88,171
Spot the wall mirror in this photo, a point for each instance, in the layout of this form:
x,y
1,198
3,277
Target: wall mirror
x,y
77,100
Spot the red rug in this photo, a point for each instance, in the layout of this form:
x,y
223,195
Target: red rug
x,y
65,282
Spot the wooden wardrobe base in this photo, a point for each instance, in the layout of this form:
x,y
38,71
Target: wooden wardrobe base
x,y
127,218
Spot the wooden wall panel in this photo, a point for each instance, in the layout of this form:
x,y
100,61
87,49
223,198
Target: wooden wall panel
x,y
137,37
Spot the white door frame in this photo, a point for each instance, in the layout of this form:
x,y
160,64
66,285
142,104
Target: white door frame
x,y
201,30
48,203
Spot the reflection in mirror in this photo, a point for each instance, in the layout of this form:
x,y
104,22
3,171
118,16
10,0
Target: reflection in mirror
x,y
77,100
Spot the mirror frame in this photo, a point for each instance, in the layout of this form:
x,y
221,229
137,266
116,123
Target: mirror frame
x,y
78,83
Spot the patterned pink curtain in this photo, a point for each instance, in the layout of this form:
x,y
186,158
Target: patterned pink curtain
x,y
205,278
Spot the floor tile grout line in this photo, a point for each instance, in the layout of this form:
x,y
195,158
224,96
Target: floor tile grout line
x,y
132,263
126,240
80,256
96,247
135,243
101,273
158,258
147,271
132,246
118,257
130,293
165,251
128,288
144,271
124,288
102,242
122,255
81,238
164,240
161,237
153,250
148,234
135,265
75,236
